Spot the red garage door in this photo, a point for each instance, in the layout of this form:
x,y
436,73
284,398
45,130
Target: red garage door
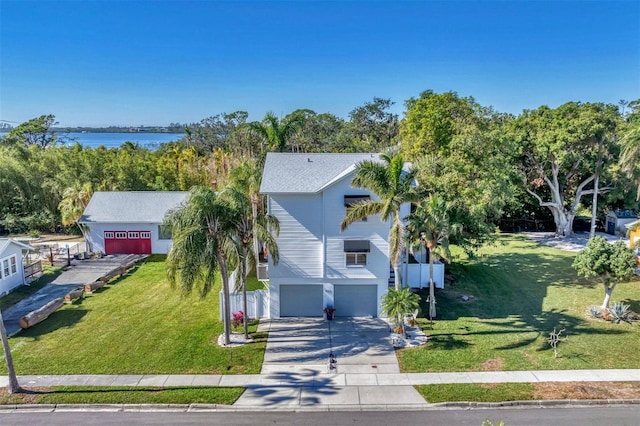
x,y
127,242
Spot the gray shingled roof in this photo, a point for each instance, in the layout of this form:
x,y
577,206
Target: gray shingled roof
x,y
307,173
131,206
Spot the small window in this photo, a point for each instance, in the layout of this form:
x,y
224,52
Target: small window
x,y
145,235
108,235
14,265
5,268
164,232
134,235
121,235
350,200
356,259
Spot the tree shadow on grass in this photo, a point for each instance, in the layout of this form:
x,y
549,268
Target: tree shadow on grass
x,y
57,320
448,342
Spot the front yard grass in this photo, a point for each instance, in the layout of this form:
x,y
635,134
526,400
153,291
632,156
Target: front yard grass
x,y
521,291
123,395
137,325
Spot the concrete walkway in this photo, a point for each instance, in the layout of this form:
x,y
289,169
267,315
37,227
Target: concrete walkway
x,y
323,390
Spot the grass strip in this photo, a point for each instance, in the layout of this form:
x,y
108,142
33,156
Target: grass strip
x,y
474,392
123,395
49,273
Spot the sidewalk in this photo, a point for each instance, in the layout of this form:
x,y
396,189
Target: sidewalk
x,y
293,390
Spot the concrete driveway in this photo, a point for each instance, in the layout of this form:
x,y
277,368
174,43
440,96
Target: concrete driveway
x,y
360,345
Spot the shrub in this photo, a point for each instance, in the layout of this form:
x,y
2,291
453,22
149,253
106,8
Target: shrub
x,y
620,312
595,311
238,319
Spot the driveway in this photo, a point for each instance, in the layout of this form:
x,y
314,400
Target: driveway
x,y
80,273
303,345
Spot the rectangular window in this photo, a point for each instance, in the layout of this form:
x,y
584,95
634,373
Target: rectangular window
x,y
108,235
356,259
121,235
350,200
14,265
164,232
356,252
5,268
145,235
134,235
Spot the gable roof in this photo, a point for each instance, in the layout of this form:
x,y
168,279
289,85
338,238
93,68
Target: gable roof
x,y
307,173
5,242
131,206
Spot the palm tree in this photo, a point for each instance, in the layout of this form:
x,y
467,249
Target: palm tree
x,y
249,227
630,157
202,230
14,386
396,303
275,132
429,224
393,186
74,200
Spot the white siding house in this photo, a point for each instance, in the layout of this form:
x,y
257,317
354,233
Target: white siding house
x,y
11,267
319,265
129,221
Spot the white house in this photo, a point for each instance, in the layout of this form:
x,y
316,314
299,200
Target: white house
x,y
617,219
11,267
319,265
129,221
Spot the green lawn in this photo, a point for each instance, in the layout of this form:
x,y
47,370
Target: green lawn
x,y
137,325
522,291
124,395
477,392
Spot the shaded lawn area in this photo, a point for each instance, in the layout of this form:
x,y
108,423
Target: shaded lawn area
x,y
123,395
137,325
521,292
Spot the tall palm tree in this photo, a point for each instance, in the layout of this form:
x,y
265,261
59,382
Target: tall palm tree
x,y
430,226
202,231
630,158
393,186
14,386
396,303
275,132
249,227
74,200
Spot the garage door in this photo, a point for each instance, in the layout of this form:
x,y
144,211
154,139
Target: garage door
x,y
301,300
356,300
127,242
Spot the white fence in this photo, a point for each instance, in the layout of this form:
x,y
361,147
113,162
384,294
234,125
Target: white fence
x,y
257,303
418,274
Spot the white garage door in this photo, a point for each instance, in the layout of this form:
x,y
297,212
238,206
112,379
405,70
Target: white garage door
x,y
356,300
297,300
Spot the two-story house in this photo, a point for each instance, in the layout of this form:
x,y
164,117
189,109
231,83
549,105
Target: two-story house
x,y
321,266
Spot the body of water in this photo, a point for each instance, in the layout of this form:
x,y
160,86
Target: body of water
x,y
113,140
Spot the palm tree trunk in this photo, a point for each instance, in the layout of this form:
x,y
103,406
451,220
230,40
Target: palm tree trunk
x,y
432,292
14,386
243,270
254,222
224,274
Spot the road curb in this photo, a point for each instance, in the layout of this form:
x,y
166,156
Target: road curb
x,y
316,408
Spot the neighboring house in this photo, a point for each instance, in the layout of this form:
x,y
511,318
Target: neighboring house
x,y
11,266
617,219
129,222
319,265
633,229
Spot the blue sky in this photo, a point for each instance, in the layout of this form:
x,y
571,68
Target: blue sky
x,y
155,62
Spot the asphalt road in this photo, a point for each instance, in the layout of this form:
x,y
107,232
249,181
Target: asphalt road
x,y
565,416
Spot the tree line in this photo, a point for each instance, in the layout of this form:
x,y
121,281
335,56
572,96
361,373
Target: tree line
x,y
490,168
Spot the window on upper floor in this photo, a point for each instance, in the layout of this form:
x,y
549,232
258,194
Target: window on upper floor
x,y
356,252
350,200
